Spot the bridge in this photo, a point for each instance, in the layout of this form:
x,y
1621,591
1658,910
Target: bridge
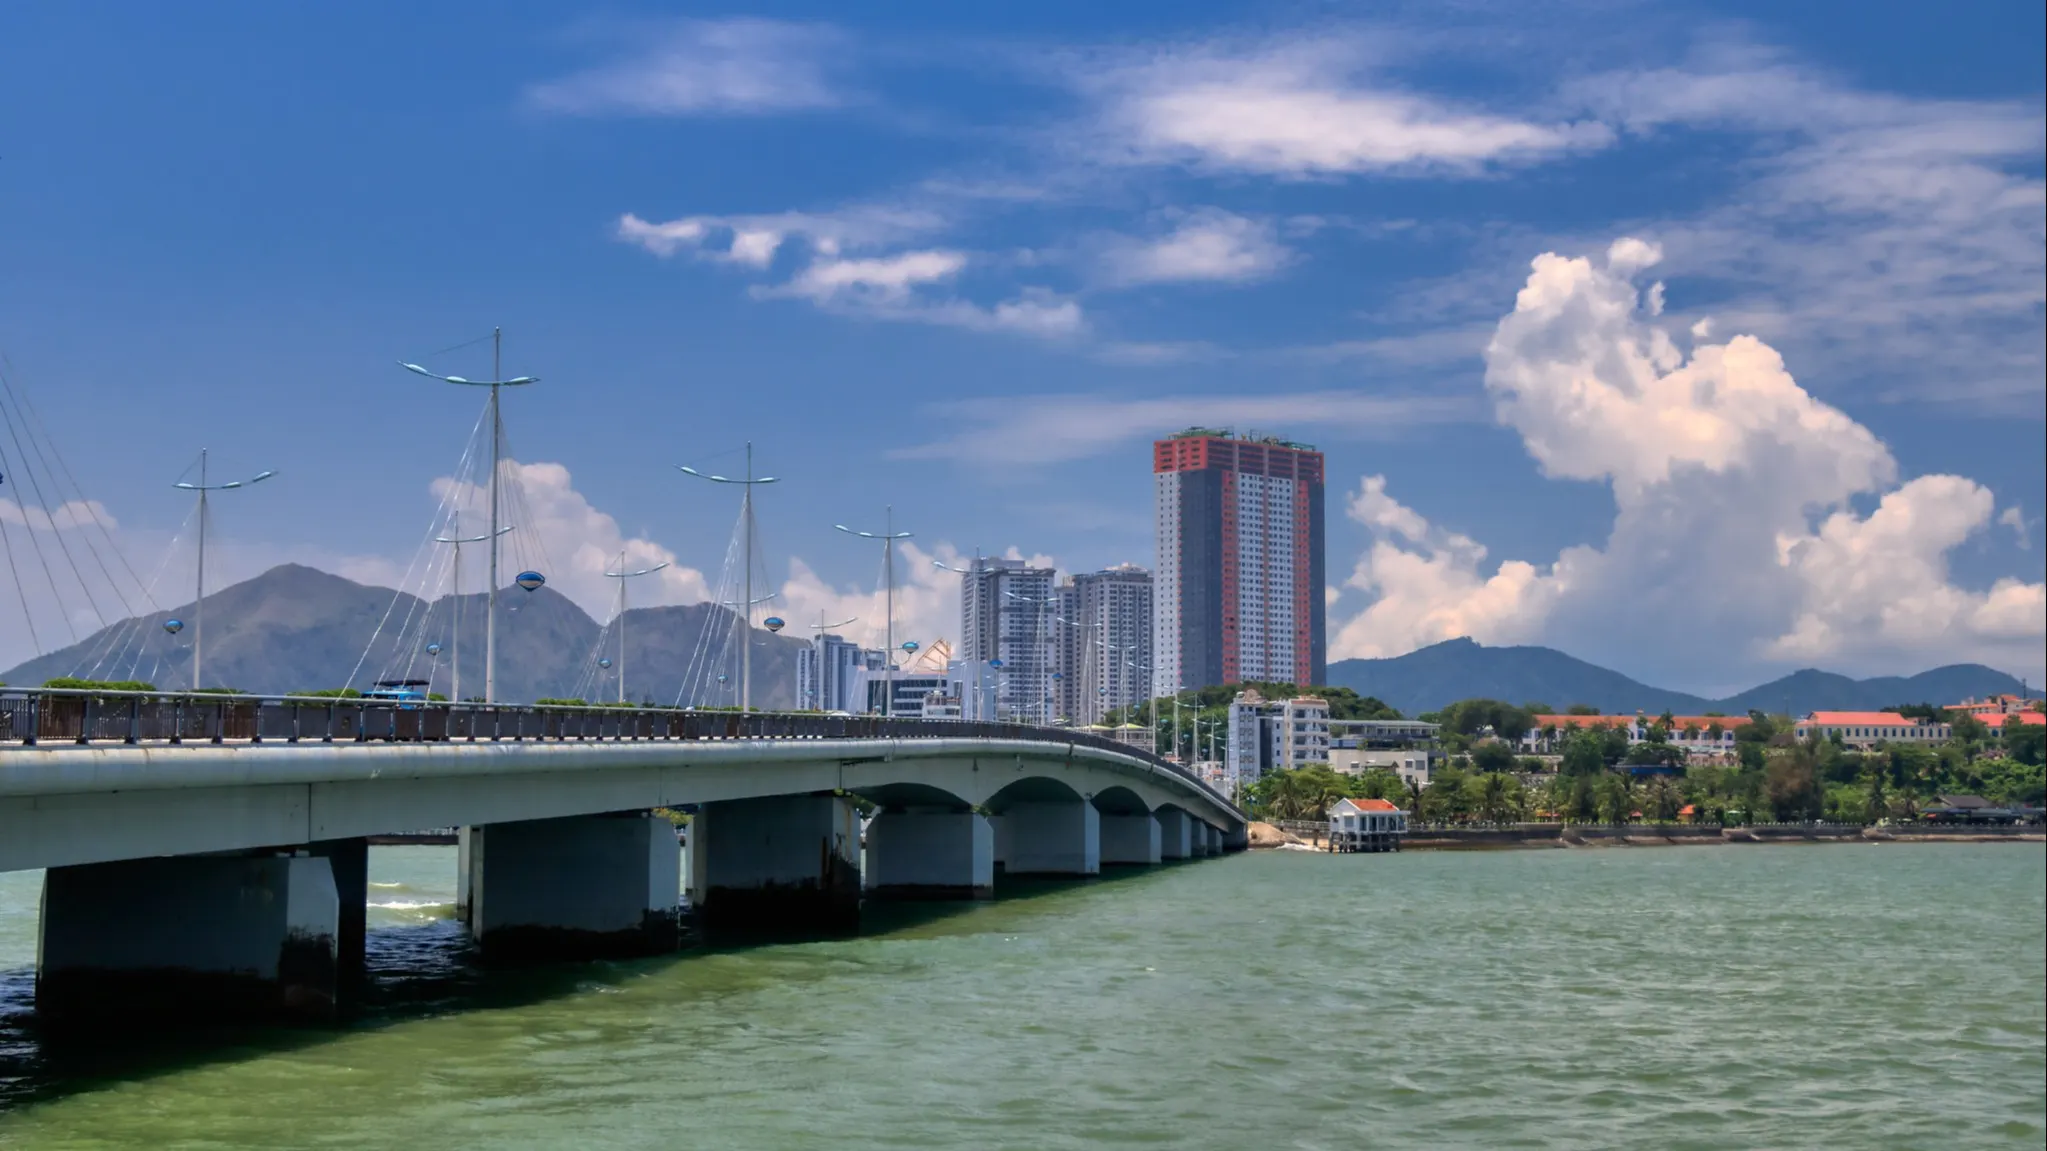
x,y
208,853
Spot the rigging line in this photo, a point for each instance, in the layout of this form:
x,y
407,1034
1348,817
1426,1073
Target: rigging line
x,y
20,589
440,516
63,544
697,674
455,348
111,660
7,393
6,465
162,565
38,427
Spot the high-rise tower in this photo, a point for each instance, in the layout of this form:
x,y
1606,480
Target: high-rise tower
x,y
1238,584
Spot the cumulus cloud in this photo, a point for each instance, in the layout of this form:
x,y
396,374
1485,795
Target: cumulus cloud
x,y
1736,534
1305,109
1210,245
557,531
708,67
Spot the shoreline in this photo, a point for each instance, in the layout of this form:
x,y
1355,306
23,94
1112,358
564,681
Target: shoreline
x,y
1553,836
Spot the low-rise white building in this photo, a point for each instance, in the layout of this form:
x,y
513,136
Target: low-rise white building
x,y
1869,728
1366,825
1275,735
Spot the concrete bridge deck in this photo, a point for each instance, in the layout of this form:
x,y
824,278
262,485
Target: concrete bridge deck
x,y
211,848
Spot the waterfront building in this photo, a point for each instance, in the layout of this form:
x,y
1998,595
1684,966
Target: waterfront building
x,y
1007,613
1869,728
1239,580
1275,735
826,670
1366,825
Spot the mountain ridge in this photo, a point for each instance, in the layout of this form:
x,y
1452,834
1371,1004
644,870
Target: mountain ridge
x,y
1429,678
296,628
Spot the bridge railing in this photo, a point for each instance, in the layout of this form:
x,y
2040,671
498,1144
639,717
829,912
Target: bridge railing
x,y
73,716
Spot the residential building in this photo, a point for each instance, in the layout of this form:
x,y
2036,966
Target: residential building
x,y
1105,639
1695,735
1412,764
1869,728
826,671
1274,735
1239,580
975,684
910,690
1007,613
1992,705
1997,722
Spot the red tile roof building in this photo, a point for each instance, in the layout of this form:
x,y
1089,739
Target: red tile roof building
x,y
1867,728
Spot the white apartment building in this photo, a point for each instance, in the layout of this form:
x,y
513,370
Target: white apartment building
x,y
1274,735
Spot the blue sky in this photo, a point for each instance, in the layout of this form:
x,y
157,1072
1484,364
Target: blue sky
x,y
969,259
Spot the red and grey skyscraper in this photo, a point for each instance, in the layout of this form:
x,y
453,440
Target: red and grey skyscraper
x,y
1238,584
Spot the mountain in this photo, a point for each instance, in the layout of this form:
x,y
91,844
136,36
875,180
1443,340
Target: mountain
x,y
1431,677
295,628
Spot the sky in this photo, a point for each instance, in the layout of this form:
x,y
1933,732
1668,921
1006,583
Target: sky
x,y
1701,341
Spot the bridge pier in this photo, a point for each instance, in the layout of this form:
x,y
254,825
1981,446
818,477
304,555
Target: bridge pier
x,y
1205,839
579,887
350,859
1130,839
189,938
1053,837
1176,833
925,854
787,864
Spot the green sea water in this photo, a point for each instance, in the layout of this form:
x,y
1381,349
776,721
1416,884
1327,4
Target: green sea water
x,y
1833,996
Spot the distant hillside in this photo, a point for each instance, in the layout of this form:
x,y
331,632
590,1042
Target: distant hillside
x,y
295,628
1429,678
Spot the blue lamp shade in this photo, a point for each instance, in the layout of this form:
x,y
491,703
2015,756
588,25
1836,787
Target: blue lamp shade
x,y
174,626
774,623
531,581
605,663
910,645
433,649
995,663
722,678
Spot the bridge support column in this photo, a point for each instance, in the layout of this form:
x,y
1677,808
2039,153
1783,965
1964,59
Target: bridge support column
x,y
1130,839
1211,840
350,859
1237,838
580,887
1176,833
1054,838
930,855
782,865
189,938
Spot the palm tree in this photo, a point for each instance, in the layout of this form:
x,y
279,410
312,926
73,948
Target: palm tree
x,y
1662,799
1496,799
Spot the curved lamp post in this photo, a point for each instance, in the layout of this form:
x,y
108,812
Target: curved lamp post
x,y
455,659
497,441
199,602
622,575
888,538
746,523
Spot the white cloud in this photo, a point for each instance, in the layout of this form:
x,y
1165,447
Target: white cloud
x,y
1305,109
848,275
556,531
709,67
1055,428
1210,245
1718,463
1870,232
2015,519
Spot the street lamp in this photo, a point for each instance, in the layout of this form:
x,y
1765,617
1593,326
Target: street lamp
x,y
199,601
622,575
746,525
458,539
497,443
888,540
